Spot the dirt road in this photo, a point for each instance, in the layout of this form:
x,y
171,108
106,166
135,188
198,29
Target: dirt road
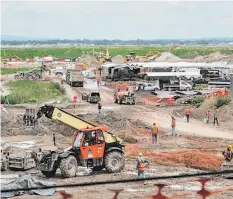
x,y
162,116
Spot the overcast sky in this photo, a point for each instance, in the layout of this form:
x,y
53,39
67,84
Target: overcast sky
x,y
117,19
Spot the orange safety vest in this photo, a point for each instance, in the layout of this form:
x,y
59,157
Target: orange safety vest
x,y
142,166
187,111
155,129
173,123
208,114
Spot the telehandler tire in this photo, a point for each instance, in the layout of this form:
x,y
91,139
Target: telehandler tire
x,y
68,166
114,162
49,174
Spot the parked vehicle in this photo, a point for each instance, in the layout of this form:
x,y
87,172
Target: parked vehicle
x,y
59,70
148,86
93,97
74,78
177,85
34,74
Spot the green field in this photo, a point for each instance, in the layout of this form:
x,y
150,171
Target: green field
x,y
26,91
6,71
182,52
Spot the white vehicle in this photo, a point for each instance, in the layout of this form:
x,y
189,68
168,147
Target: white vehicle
x,y
59,70
148,86
180,85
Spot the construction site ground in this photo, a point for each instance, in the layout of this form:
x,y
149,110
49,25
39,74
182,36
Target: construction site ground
x,y
197,147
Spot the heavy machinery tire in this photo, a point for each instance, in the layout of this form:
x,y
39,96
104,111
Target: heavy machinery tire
x,y
133,103
97,168
120,101
17,77
187,89
68,167
37,76
115,100
114,162
49,174
30,77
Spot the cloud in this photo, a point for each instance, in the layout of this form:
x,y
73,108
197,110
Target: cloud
x,y
117,19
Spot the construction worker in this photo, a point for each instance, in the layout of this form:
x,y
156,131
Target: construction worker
x,y
98,82
154,133
54,140
187,113
208,116
99,106
173,126
228,153
141,166
216,116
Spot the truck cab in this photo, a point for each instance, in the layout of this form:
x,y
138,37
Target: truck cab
x,y
93,97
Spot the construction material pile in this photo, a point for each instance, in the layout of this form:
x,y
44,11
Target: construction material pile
x,y
14,125
194,158
115,122
167,56
91,61
118,59
211,57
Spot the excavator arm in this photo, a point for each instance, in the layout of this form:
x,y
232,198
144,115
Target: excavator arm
x,y
55,113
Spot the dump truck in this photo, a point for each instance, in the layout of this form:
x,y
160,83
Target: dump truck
x,y
93,97
74,78
92,147
124,94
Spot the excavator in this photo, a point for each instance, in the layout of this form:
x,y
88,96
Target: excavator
x,y
92,146
152,54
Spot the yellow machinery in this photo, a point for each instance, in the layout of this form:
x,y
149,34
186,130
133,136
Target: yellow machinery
x,y
152,53
131,56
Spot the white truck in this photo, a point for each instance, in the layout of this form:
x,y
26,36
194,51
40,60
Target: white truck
x,y
143,86
177,85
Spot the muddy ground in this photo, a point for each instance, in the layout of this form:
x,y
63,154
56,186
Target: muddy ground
x,y
197,147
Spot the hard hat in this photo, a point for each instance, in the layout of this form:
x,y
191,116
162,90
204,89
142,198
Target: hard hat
x,y
230,146
217,109
154,123
140,154
187,106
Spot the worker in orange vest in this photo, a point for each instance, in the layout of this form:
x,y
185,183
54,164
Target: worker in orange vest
x,y
228,154
173,126
208,116
216,117
154,133
141,166
187,113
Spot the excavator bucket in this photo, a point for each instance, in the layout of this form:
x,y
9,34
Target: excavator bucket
x,y
30,117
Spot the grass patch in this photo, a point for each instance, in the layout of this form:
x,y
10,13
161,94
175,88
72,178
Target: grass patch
x,y
182,52
220,101
26,91
6,71
197,101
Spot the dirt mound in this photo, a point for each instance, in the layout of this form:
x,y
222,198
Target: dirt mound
x,y
118,59
115,122
14,125
211,57
91,61
167,56
225,113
